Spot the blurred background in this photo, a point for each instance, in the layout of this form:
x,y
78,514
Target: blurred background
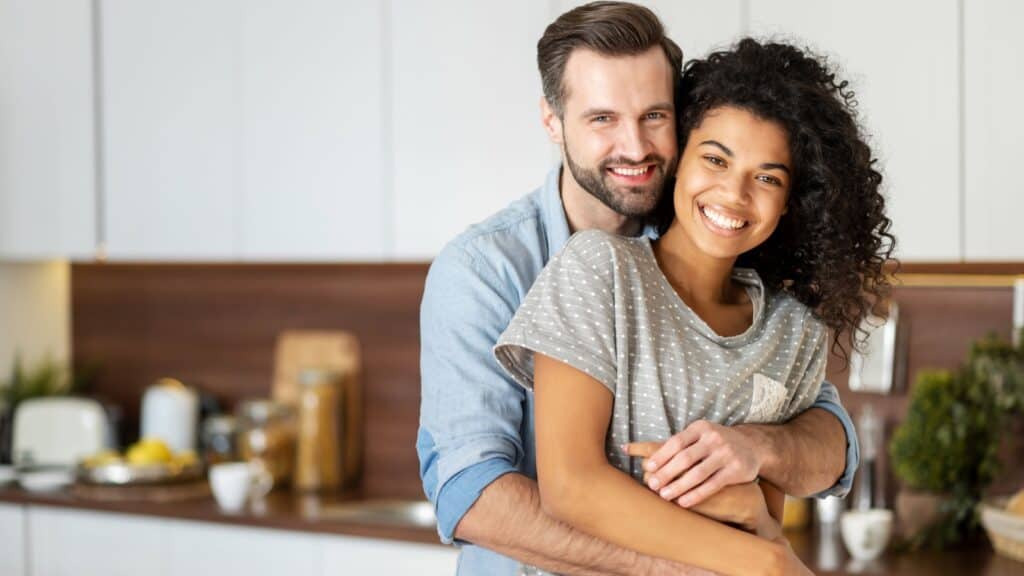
x,y
234,193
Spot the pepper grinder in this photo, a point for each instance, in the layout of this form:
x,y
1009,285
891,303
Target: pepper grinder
x,y
868,427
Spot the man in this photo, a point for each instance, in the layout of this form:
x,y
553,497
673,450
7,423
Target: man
x,y
609,75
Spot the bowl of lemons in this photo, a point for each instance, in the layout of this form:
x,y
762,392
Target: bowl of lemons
x,y
148,461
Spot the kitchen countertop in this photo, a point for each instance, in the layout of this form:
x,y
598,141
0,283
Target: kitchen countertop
x,y
821,549
281,510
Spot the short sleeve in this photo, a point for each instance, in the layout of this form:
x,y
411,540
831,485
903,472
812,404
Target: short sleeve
x,y
812,360
569,314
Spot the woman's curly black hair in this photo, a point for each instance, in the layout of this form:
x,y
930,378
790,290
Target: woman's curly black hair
x,y
830,247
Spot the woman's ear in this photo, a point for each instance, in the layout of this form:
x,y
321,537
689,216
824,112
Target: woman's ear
x,y
552,123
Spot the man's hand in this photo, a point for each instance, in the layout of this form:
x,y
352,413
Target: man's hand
x,y
696,463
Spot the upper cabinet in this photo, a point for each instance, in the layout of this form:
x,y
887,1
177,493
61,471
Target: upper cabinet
x,y
171,118
901,58
244,130
465,96
47,174
994,121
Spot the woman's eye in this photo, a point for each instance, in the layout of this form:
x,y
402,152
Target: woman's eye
x,y
715,160
770,180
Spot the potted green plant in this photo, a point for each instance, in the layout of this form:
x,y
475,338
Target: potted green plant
x,y
946,451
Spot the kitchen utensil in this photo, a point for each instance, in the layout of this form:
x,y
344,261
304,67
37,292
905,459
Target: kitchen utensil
x,y
866,532
235,482
58,431
332,351
881,365
170,412
45,478
1005,530
317,465
219,439
124,474
267,436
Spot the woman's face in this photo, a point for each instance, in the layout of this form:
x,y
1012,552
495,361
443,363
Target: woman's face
x,y
732,182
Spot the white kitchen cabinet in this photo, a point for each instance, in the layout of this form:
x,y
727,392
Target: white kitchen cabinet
x,y
902,60
465,94
12,540
171,118
994,122
83,543
314,176
47,170
245,130
343,555
197,549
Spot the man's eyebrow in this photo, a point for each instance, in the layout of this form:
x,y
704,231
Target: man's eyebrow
x,y
729,153
659,107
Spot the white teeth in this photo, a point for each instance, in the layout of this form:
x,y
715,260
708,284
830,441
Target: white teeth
x,y
630,171
722,220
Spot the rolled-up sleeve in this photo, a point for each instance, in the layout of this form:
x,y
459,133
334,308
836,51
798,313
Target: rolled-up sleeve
x,y
471,413
828,399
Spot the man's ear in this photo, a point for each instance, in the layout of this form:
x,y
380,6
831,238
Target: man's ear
x,y
552,123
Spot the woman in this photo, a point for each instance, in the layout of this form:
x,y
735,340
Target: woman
x,y
774,234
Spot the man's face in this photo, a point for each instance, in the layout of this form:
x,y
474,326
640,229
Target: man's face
x,y
618,131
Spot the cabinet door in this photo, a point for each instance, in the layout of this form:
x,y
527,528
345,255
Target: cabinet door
x,y
12,535
314,179
171,117
80,543
345,555
994,121
901,58
47,175
195,549
466,122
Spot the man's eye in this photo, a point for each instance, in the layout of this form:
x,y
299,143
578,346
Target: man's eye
x,y
603,118
656,116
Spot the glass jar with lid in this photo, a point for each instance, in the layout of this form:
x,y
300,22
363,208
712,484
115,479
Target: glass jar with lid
x,y
266,435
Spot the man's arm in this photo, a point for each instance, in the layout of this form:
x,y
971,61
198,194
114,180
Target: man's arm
x,y
508,518
469,444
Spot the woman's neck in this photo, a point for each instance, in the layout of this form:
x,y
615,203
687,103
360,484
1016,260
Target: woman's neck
x,y
698,278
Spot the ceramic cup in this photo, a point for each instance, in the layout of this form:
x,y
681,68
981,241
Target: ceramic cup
x,y
866,532
235,482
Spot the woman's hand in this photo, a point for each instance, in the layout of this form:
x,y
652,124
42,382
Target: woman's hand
x,y
744,505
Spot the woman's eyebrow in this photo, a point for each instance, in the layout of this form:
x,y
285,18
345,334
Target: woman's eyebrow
x,y
766,166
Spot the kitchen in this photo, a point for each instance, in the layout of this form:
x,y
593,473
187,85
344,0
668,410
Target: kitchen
x,y
183,183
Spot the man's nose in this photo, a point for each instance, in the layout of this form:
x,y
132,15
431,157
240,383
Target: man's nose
x,y
634,143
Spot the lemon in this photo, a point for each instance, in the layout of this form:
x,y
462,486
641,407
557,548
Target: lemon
x,y
148,451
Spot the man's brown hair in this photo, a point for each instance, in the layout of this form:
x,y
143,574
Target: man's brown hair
x,y
608,28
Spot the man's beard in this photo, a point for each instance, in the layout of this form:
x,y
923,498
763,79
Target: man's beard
x,y
629,201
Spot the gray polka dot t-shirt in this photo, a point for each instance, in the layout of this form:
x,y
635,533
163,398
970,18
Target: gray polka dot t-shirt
x,y
603,306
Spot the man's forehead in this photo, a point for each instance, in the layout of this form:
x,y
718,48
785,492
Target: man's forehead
x,y
598,80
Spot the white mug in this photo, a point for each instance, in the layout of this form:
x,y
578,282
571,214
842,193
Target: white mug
x,y
234,482
866,532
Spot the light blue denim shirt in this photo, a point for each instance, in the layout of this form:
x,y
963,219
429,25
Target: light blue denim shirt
x,y
476,423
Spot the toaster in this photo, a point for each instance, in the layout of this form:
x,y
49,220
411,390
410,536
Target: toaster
x,y
59,431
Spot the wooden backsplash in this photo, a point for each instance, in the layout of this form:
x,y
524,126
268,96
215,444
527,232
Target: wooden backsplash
x,y
215,326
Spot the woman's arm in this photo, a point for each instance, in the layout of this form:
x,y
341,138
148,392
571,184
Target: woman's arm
x,y
580,487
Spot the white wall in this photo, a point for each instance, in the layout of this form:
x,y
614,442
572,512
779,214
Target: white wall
x,y
34,312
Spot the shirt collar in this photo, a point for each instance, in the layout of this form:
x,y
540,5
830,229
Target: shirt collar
x,y
555,221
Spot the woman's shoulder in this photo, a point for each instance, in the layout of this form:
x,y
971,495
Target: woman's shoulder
x,y
600,246
786,307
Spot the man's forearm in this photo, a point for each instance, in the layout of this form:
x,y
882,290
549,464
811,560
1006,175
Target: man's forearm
x,y
804,456
508,518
